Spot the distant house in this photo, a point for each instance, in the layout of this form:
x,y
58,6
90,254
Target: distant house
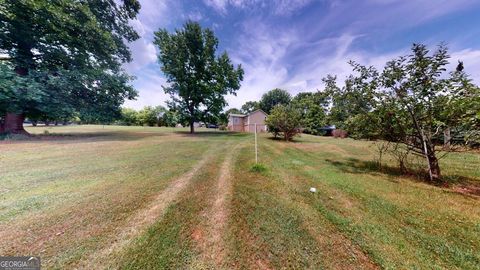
x,y
246,122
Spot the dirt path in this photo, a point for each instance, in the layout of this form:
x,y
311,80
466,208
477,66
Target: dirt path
x,y
213,246
144,218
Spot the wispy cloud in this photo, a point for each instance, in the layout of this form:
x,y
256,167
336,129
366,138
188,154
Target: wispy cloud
x,y
279,7
293,44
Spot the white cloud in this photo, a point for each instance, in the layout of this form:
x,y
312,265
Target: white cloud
x,y
279,7
155,13
194,15
143,53
149,85
261,54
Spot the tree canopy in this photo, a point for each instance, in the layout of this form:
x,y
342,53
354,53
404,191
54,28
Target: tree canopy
x,y
64,57
198,79
274,97
250,106
312,107
284,120
411,102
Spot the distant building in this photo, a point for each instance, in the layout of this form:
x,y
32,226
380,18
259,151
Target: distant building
x,y
246,122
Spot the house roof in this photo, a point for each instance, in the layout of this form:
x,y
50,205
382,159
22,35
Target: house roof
x,y
245,115
236,115
257,110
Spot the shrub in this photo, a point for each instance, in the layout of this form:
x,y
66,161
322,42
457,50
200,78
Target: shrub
x,y
339,133
258,168
285,121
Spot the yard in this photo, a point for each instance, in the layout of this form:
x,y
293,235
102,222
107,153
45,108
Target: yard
x,y
139,198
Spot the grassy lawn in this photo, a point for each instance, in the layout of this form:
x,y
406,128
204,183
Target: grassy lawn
x,y
142,198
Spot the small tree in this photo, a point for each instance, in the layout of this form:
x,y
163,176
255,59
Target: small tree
x,y
198,79
284,120
274,97
129,117
168,118
148,116
413,101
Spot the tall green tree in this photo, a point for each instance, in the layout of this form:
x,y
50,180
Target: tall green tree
x,y
250,106
350,99
149,116
312,107
168,117
198,78
274,97
64,56
129,117
223,117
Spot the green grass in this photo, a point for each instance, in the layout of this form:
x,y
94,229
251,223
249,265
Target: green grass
x,y
64,196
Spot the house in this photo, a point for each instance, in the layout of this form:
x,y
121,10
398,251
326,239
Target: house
x,y
246,123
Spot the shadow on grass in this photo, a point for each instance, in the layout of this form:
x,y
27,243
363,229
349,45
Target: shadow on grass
x,y
213,133
457,183
79,137
281,139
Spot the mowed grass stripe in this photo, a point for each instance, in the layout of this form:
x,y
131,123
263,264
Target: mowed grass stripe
x,y
336,251
146,217
211,232
265,231
75,173
173,241
67,228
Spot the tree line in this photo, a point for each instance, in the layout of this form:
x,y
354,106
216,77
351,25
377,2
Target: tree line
x,y
148,116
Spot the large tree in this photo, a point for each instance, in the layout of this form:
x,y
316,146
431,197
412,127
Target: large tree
x,y
273,98
198,78
64,57
250,106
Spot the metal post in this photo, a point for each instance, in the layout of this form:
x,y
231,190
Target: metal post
x,y
256,148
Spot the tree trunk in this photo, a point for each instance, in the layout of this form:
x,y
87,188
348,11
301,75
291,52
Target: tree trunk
x,y
434,168
13,124
447,139
34,123
192,128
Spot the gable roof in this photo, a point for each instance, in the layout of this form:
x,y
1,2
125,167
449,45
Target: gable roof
x,y
258,110
236,115
245,115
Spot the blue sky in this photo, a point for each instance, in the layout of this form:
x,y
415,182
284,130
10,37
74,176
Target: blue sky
x,y
293,44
